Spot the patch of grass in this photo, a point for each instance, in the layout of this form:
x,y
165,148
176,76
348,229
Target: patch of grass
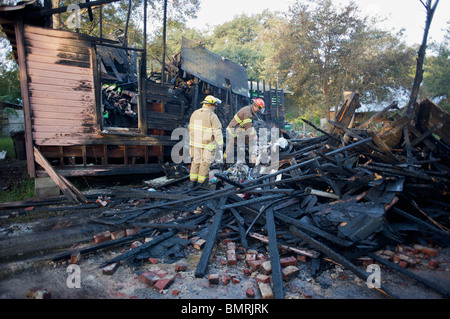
x,y
7,144
20,190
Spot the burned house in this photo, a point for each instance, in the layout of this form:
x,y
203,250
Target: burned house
x,y
90,108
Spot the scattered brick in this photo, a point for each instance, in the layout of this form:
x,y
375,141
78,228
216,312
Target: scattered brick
x,y
266,268
254,264
290,272
250,293
433,263
213,279
131,231
265,290
231,257
426,250
225,279
263,278
136,244
118,234
181,267
231,245
199,244
102,237
288,261
250,256
164,283
301,258
38,293
153,261
149,278
175,292
75,257
110,269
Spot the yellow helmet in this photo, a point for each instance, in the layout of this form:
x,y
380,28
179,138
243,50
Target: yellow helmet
x,y
211,100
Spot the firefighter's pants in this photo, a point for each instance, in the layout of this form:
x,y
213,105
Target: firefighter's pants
x,y
202,159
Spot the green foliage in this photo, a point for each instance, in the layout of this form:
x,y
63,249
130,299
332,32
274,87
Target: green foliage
x,y
9,75
436,80
242,40
6,144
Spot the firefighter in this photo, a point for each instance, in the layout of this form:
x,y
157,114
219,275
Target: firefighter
x,y
205,130
242,122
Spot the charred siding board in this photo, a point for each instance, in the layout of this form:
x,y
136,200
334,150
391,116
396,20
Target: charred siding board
x,y
62,98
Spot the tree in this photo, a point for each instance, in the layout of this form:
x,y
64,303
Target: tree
x,y
9,74
436,81
430,8
324,50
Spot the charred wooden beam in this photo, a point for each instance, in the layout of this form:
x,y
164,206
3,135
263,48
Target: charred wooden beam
x,y
445,293
210,241
336,257
277,277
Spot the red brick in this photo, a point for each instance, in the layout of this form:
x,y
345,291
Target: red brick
x,y
263,278
131,231
265,290
110,269
247,272
288,261
175,292
266,268
433,263
149,277
235,280
213,279
153,261
181,267
75,257
250,256
426,250
250,293
225,279
290,272
38,293
118,234
301,258
199,244
164,283
102,237
254,264
136,244
231,257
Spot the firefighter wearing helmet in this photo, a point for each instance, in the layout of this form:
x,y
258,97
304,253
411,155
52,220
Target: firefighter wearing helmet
x,y
205,131
242,122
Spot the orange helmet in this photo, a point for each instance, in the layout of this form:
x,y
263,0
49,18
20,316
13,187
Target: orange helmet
x,y
260,103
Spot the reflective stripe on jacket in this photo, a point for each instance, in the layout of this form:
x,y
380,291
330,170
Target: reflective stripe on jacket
x,y
243,119
205,129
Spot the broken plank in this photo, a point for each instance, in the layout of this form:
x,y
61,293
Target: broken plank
x,y
207,250
65,187
277,276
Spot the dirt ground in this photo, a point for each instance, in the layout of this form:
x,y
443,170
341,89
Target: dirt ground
x,y
22,272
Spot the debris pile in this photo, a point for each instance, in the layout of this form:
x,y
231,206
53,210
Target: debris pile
x,y
351,196
120,105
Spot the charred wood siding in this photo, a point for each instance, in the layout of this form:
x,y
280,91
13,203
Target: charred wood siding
x,y
62,97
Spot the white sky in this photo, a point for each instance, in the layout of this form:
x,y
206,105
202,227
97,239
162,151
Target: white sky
x,y
407,14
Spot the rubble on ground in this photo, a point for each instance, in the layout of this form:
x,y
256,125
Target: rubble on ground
x,y
350,196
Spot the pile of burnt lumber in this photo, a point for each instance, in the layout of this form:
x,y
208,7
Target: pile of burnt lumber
x,y
346,195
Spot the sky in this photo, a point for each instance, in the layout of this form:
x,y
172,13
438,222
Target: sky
x,y
407,14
